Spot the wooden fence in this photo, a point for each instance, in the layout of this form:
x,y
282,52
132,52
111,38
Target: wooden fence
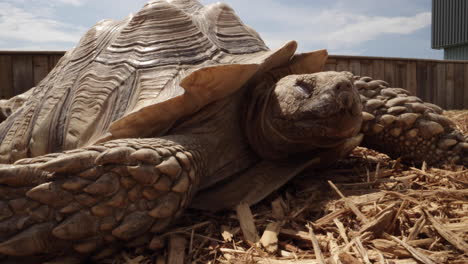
x,y
444,83
21,70
441,82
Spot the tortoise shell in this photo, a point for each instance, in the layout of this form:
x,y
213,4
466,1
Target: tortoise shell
x,y
138,76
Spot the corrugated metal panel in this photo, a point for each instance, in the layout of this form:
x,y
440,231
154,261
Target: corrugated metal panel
x,y
456,53
449,23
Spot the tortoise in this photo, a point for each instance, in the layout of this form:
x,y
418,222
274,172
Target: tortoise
x,y
184,105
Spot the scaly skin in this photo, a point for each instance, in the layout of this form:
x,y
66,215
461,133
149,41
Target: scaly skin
x,y
402,125
117,193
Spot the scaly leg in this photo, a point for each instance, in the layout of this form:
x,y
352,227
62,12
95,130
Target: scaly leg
x,y
84,200
402,125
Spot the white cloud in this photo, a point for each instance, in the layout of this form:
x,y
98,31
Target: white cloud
x,y
334,25
364,28
71,2
19,24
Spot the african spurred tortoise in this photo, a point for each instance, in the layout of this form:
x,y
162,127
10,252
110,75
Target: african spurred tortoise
x,y
184,104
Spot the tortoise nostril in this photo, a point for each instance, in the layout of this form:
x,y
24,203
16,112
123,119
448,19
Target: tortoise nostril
x,y
343,86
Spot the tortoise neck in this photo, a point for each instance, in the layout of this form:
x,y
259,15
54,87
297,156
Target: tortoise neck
x,y
263,137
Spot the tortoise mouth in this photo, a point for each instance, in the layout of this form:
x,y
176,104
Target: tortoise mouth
x,y
320,133
328,132
343,124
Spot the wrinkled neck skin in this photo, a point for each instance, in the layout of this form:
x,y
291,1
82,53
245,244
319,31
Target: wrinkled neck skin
x,y
218,127
302,114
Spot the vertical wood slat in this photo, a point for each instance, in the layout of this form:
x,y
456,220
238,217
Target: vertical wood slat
x,y
400,74
342,65
459,84
465,88
366,68
421,75
379,69
6,77
330,65
23,78
430,82
41,67
440,83
411,78
355,67
389,72
450,86
53,59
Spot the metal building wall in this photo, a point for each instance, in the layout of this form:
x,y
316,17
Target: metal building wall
x,y
449,23
456,53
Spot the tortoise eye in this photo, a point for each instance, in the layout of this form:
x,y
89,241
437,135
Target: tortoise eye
x,y
305,87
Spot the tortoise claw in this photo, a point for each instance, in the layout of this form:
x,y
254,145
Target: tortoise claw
x,y
118,155
21,175
70,163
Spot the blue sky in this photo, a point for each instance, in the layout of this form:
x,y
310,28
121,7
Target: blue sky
x,y
396,28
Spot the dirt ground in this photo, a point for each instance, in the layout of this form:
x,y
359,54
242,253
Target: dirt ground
x,y
367,209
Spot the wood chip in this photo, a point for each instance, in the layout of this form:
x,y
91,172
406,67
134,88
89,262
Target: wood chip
x,y
269,239
362,251
246,220
451,237
381,222
226,233
333,248
346,258
416,229
177,246
390,248
329,217
277,208
415,253
341,230
315,244
350,204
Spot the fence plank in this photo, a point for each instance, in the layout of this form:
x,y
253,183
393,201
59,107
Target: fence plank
x,y
355,67
366,68
421,74
400,74
411,80
441,77
378,66
450,85
342,65
330,67
430,82
41,67
23,78
389,73
465,88
6,81
53,59
459,84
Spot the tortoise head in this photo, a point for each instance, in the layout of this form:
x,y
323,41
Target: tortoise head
x,y
303,113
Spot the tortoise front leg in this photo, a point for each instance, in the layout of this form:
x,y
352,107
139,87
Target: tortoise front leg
x,y
87,199
401,125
